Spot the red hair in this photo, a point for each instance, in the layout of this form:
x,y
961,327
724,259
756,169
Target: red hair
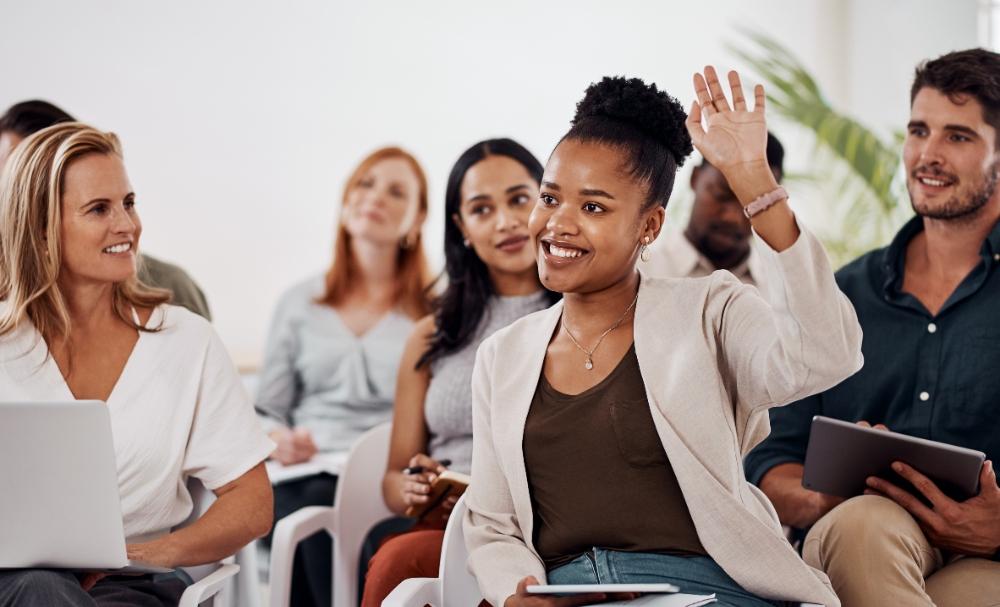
x,y
412,274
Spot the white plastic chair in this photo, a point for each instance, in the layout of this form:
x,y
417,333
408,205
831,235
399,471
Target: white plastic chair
x,y
231,581
455,586
357,507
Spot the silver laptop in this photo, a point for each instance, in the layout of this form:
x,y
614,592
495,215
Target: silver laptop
x,y
59,504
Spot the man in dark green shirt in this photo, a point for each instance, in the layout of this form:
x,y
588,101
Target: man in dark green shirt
x,y
929,305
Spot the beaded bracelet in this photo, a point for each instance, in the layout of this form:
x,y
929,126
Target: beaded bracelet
x,y
764,202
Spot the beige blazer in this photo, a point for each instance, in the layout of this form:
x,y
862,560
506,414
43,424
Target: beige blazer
x,y
714,356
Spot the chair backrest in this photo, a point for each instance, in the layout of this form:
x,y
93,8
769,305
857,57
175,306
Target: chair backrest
x,y
358,506
458,586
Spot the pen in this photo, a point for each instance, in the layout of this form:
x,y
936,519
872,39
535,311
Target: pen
x,y
419,469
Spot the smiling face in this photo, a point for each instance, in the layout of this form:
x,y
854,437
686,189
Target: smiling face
x,y
497,196
383,205
589,221
100,229
950,156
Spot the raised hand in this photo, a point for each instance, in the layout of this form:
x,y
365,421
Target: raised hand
x,y
731,138
734,140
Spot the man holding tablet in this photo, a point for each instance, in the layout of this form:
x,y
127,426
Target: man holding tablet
x,y
928,307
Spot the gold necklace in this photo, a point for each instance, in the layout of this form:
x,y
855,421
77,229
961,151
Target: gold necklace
x,y
589,364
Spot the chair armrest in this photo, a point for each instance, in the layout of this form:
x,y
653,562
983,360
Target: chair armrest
x,y
289,531
415,591
208,586
248,581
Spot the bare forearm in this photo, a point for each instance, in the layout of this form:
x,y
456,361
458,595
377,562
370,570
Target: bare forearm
x,y
234,519
796,506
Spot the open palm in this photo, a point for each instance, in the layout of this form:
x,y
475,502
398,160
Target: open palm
x,y
730,136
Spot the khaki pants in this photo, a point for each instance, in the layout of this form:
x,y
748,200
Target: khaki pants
x,y
876,554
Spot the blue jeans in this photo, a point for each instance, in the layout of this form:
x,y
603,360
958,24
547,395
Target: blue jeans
x,y
692,574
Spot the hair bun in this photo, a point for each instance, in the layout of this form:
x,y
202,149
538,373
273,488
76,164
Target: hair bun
x,y
650,110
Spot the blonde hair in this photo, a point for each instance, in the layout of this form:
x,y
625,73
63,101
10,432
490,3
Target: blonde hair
x,y
412,276
31,190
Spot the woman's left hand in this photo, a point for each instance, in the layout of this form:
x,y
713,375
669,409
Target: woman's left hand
x,y
733,138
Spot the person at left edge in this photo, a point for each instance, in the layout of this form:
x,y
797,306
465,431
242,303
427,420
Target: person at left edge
x,y
75,324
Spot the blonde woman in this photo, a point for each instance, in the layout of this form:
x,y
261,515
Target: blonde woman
x,y
329,371
76,324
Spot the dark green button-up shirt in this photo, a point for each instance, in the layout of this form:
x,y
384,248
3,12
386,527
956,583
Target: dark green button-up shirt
x,y
936,377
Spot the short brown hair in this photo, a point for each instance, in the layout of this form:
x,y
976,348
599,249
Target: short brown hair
x,y
970,73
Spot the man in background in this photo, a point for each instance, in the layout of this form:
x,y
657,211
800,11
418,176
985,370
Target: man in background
x,y
718,235
28,117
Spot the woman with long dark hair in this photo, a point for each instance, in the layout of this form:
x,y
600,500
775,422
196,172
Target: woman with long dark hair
x,y
492,281
610,429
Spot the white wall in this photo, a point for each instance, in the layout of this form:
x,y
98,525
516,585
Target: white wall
x,y
240,119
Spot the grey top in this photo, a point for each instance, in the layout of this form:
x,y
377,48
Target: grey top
x,y
448,404
319,375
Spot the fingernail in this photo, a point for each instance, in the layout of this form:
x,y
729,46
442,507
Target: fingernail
x,y
898,467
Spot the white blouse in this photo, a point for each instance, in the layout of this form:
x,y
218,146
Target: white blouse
x,y
178,410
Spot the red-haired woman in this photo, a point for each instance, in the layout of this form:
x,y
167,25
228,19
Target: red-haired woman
x,y
335,342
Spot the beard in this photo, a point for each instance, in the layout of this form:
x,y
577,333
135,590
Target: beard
x,y
965,204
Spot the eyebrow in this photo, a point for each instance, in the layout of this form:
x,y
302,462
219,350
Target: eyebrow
x,y
584,192
601,193
515,188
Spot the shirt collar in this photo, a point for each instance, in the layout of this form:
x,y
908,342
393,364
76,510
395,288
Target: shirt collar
x,y
895,254
688,258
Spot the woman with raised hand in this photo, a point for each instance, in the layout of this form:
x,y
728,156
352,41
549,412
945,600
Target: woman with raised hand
x,y
492,281
76,324
335,343
610,429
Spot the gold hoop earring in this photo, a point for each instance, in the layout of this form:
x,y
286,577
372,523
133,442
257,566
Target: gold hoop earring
x,y
644,254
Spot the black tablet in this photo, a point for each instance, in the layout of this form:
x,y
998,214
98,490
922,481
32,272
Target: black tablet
x,y
841,455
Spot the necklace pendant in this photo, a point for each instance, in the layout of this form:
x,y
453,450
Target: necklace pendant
x,y
589,365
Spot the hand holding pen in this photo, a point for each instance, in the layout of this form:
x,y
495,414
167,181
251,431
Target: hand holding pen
x,y
420,475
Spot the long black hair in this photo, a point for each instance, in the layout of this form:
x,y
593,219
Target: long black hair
x,y
460,309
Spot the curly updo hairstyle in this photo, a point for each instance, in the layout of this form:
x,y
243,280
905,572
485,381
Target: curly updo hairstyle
x,y
641,121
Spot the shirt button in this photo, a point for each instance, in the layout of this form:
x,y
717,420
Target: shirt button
x,y
932,328
924,396
996,257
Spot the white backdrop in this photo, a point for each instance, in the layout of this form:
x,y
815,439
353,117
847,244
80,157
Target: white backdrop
x,y
240,120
